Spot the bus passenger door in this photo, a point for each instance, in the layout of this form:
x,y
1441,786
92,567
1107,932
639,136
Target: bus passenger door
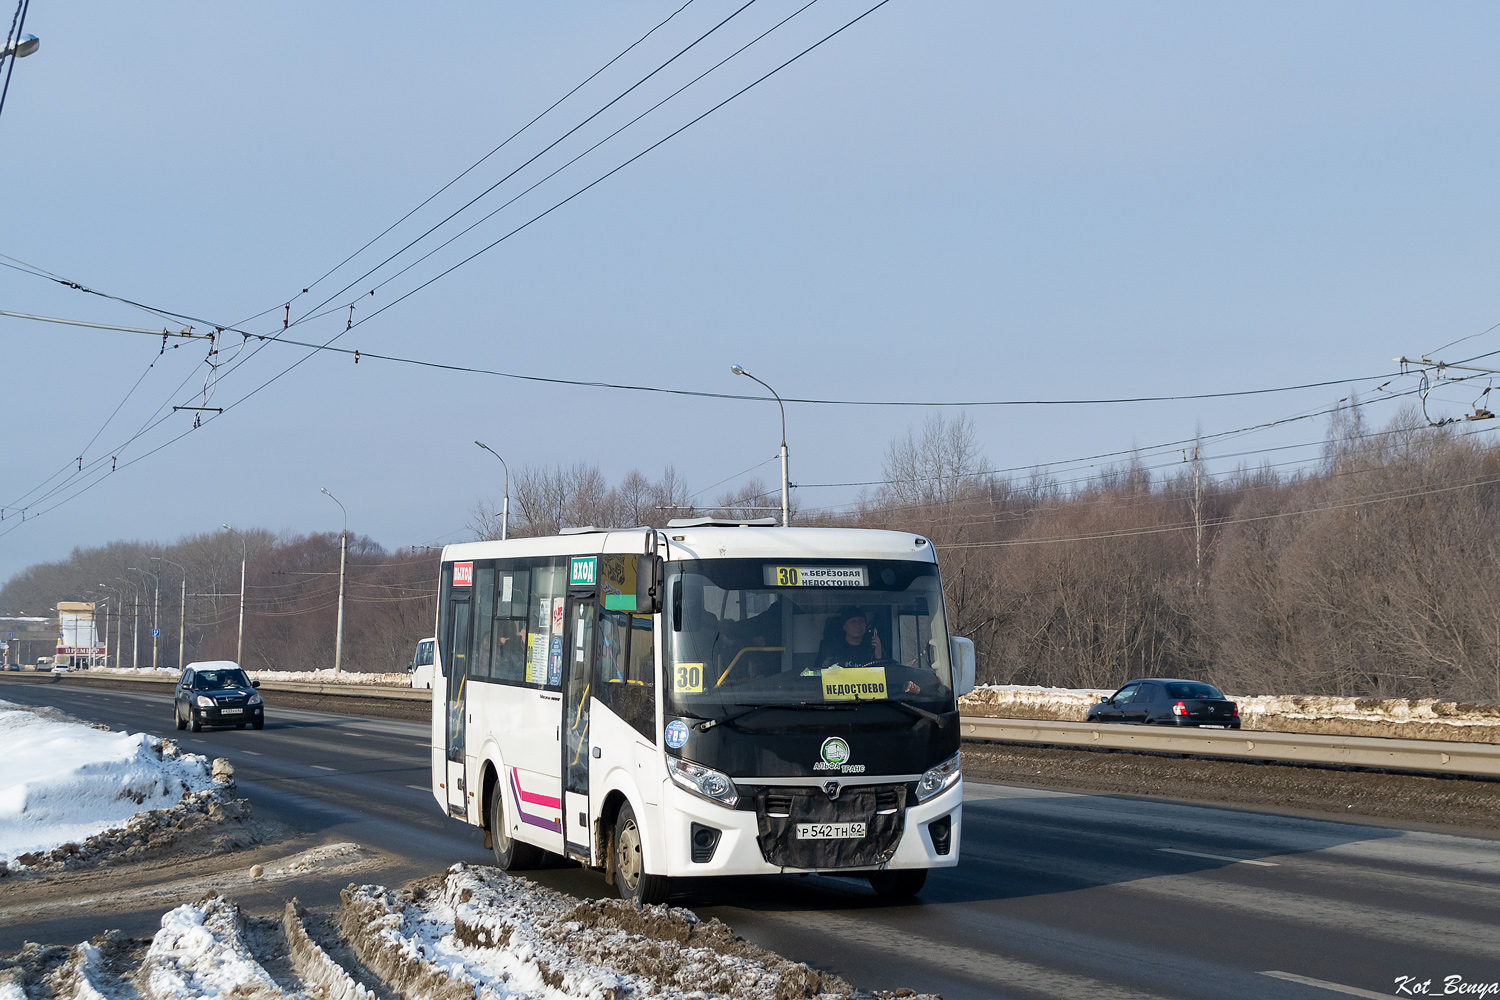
x,y
575,743
459,635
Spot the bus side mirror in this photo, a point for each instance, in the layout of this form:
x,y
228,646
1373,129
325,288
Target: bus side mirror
x,y
648,585
961,655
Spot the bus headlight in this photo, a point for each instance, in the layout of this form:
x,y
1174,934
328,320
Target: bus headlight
x,y
704,781
945,775
204,701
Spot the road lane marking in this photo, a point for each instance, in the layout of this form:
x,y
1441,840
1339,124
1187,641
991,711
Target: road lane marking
x,y
1219,857
1353,991
253,753
420,788
320,767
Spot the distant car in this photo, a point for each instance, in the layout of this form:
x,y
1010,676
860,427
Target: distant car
x,y
1168,702
217,693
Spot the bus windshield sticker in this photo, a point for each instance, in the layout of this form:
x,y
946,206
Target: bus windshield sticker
x,y
817,576
554,662
854,684
583,571
536,664
463,574
677,734
688,678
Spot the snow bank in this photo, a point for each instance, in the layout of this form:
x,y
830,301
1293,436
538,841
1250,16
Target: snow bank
x,y
482,933
325,676
1020,701
201,952
62,782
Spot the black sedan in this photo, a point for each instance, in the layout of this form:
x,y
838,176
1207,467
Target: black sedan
x,y
217,693
1168,702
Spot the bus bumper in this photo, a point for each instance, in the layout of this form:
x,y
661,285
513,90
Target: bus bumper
x,y
737,851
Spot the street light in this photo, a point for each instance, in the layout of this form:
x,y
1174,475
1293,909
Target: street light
x,y
135,621
155,612
106,624
505,506
181,609
785,487
21,47
338,642
239,646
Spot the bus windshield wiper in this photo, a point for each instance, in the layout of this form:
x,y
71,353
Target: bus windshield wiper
x,y
816,706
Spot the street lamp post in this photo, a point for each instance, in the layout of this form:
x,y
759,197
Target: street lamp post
x,y
181,610
239,646
105,602
338,641
505,504
785,485
119,619
155,611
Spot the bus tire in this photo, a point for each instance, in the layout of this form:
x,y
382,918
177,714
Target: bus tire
x,y
510,855
630,871
900,884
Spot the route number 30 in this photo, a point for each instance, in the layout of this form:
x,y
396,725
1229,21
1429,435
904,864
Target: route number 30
x,y
688,678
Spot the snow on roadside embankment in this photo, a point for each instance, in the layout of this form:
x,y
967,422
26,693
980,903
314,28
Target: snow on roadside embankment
x,y
63,782
1262,712
325,676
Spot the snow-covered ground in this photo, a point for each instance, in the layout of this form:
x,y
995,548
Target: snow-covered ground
x,y
63,782
1020,701
325,676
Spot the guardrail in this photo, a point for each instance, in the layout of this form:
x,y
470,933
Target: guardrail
x,y
1435,756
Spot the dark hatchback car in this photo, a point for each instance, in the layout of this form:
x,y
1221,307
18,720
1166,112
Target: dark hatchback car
x,y
1167,702
218,693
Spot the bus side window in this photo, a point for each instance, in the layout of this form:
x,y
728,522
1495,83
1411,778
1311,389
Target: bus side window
x,y
484,601
625,669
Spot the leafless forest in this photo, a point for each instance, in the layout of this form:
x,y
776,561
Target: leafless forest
x,y
1367,573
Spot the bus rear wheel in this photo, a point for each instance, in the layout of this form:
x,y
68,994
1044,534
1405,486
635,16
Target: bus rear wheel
x,y
901,884
630,869
510,855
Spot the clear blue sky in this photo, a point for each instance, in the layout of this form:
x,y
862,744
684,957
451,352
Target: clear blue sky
x,y
950,200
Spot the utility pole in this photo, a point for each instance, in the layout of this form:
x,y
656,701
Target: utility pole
x,y
181,611
155,612
1198,513
239,648
135,629
338,640
785,484
505,504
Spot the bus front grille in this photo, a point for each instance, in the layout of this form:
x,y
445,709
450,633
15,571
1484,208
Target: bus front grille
x,y
779,811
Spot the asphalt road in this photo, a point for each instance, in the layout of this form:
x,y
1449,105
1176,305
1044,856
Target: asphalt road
x,y
1058,895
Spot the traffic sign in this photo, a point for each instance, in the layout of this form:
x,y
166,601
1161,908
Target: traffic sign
x,y
156,633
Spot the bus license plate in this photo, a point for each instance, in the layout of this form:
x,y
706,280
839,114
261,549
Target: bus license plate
x,y
231,711
830,831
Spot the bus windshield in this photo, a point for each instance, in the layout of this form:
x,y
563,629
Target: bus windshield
x,y
748,632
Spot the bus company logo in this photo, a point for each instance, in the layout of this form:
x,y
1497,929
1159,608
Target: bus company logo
x,y
677,734
835,754
463,574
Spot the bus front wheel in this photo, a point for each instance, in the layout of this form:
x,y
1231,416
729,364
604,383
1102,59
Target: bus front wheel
x,y
630,869
510,855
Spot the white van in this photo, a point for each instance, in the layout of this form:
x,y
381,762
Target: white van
x,y
420,666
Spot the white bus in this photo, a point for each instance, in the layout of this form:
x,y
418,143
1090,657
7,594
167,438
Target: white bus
x,y
714,698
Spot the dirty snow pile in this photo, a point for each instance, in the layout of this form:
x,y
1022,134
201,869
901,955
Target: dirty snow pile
x,y
328,676
502,937
200,952
63,782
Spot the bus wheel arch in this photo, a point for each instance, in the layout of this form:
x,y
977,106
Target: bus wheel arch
x,y
489,785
